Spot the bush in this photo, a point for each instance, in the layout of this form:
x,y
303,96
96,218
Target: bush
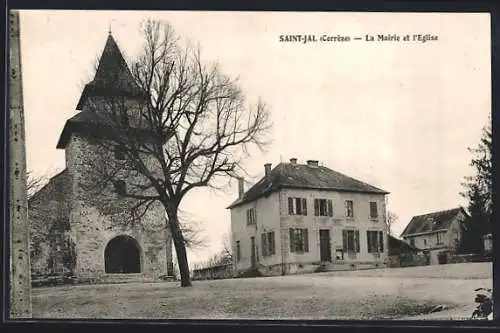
x,y
320,268
250,273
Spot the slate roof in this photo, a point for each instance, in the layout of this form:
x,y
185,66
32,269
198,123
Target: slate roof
x,y
75,123
398,246
432,221
112,74
303,176
52,179
87,122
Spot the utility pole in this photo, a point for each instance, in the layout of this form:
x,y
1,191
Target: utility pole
x,y
20,272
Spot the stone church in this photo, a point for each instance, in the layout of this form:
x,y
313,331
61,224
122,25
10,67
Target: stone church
x,y
70,234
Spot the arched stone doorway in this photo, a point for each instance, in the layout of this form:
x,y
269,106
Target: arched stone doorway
x,y
122,255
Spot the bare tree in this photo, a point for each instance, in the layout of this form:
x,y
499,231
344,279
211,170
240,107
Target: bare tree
x,y
227,253
223,257
34,183
189,127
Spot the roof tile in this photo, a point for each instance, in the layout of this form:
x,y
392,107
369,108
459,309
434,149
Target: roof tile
x,y
292,175
432,221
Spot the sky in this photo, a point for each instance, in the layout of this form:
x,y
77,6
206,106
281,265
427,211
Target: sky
x,y
398,115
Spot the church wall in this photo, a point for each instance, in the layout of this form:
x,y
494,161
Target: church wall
x,y
96,220
74,223
48,214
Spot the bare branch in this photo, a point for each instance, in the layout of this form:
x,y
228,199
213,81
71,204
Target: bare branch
x,y
180,125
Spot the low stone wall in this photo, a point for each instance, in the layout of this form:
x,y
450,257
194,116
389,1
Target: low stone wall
x,y
408,260
315,267
463,258
213,273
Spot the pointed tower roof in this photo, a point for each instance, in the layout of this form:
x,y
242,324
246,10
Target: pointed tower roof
x,y
112,75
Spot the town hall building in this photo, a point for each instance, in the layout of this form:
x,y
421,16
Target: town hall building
x,y
73,236
303,217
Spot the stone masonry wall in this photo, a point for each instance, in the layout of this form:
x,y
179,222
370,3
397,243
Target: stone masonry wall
x,y
97,220
48,214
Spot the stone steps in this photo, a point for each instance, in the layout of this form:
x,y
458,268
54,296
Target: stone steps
x,y
347,266
129,278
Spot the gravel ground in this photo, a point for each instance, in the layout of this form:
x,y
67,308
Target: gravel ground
x,y
408,293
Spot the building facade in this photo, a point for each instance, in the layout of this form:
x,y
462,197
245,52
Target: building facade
x,y
301,216
71,233
437,234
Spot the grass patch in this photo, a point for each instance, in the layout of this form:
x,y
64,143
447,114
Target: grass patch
x,y
311,296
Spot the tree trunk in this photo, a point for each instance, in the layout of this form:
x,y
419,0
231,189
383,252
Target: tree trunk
x,y
179,244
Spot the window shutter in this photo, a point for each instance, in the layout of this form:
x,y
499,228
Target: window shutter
x,y
298,206
369,241
344,240
272,250
330,208
381,241
304,206
316,207
290,206
373,210
306,240
264,244
292,241
357,240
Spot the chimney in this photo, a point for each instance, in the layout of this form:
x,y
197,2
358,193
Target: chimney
x,y
241,187
293,160
312,163
267,168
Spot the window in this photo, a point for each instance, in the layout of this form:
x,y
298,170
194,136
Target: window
x,y
120,187
119,152
375,241
350,241
267,241
299,241
323,207
425,242
238,251
251,218
297,206
373,210
349,208
412,242
439,237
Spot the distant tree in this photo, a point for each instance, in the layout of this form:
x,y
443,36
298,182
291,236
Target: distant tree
x,y
478,194
223,257
191,128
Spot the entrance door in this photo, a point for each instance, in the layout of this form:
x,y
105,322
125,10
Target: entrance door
x,y
324,245
252,251
122,255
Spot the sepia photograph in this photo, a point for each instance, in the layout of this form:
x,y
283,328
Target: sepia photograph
x,y
250,165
